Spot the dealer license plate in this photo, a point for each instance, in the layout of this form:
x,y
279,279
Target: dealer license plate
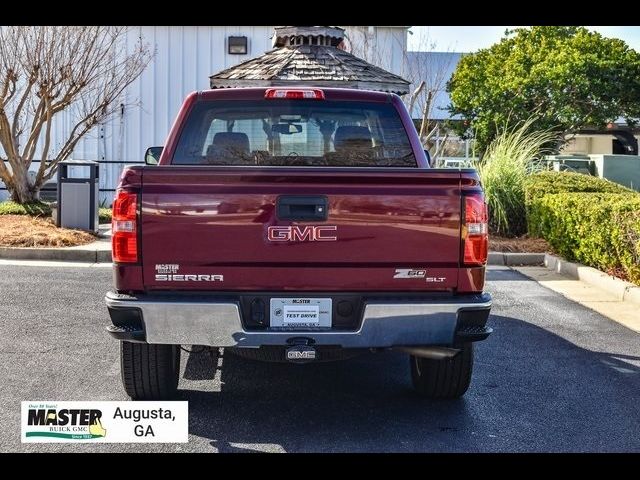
x,y
300,312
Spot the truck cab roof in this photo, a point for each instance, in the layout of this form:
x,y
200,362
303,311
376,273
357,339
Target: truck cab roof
x,y
258,93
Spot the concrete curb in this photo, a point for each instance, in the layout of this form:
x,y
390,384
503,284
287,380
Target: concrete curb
x,y
512,259
70,254
623,291
103,256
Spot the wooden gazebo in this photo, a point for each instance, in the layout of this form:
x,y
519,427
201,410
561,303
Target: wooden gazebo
x,y
309,56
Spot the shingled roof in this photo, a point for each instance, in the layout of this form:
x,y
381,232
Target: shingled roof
x,y
309,56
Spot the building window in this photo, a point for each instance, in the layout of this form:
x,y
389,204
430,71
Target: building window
x,y
237,45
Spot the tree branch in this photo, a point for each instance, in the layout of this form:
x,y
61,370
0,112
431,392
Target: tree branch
x,y
18,110
45,149
6,139
442,146
36,128
414,96
51,69
424,124
5,175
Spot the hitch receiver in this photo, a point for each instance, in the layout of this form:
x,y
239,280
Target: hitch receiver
x,y
301,350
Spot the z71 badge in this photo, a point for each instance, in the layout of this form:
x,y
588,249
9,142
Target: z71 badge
x,y
417,273
409,273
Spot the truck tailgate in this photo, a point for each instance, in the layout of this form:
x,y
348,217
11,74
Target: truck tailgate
x,y
207,228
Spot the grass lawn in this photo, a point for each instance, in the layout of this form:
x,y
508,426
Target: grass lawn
x,y
28,231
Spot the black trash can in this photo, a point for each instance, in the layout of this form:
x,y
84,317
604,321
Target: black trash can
x,y
78,195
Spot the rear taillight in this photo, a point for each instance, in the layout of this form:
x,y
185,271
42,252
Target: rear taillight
x,y
294,93
124,229
475,230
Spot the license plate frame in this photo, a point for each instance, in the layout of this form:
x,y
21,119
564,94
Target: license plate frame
x,y
300,312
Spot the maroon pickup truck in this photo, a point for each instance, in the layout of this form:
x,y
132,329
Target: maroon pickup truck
x,y
300,225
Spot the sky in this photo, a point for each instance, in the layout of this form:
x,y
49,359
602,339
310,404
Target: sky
x,y
470,39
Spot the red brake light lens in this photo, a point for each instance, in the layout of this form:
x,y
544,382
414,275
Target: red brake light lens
x,y
294,94
475,232
124,232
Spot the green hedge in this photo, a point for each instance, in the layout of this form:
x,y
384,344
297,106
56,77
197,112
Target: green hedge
x,y
36,209
544,183
598,229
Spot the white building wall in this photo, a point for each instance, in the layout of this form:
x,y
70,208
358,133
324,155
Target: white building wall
x,y
185,57
382,46
602,144
589,144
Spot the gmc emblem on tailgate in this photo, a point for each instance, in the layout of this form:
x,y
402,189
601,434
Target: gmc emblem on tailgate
x,y
309,233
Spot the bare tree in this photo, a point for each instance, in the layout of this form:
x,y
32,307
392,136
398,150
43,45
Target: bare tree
x,y
47,70
428,75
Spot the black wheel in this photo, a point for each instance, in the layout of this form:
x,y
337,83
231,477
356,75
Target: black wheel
x,y
446,378
149,372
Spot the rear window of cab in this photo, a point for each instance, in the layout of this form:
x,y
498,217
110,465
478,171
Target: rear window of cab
x,y
294,133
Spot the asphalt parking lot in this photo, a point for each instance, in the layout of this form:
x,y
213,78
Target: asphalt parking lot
x,y
554,376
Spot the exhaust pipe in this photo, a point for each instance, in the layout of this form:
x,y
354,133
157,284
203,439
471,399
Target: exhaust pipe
x,y
434,353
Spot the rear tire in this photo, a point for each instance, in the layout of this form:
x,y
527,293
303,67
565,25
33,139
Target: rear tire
x,y
150,372
446,378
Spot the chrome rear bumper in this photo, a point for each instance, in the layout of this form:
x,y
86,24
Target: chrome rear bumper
x,y
217,323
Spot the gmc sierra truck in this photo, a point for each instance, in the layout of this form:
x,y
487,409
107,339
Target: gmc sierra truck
x,y
300,225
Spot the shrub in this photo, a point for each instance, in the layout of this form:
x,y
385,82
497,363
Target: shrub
x,y
543,183
104,215
35,209
507,162
601,230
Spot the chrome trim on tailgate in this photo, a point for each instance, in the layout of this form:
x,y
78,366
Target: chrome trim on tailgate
x,y
218,324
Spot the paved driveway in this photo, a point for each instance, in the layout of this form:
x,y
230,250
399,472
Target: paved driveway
x,y
554,376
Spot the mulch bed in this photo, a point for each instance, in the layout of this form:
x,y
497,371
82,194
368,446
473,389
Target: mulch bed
x,y
26,231
522,244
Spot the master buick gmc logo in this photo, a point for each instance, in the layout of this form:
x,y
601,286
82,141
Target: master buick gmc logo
x,y
309,233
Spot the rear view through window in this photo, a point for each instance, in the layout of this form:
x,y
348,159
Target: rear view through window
x,y
294,133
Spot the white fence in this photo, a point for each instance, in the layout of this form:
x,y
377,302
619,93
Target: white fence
x,y
455,162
